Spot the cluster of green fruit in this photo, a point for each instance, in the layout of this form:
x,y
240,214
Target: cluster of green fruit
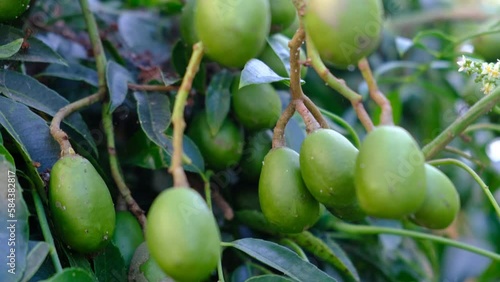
x,y
386,178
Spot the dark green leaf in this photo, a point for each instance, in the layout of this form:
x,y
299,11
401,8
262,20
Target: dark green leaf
x,y
37,52
143,152
6,154
180,59
72,274
35,259
117,78
281,259
193,153
73,71
257,72
15,233
32,93
269,278
280,50
109,265
31,133
77,260
154,114
218,100
10,48
340,260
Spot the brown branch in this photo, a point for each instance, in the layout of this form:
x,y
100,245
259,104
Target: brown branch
x,y
279,129
363,116
309,120
222,204
315,112
295,45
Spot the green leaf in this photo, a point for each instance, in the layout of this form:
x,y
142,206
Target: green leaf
x,y
15,231
30,132
281,259
11,48
257,72
280,50
37,52
35,259
76,260
218,100
143,152
73,71
269,278
6,154
340,260
72,274
117,78
109,265
32,93
154,114
180,59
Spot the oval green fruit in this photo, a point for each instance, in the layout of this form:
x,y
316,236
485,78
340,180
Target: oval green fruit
x,y
188,31
344,31
80,204
232,32
327,161
221,150
143,268
292,29
256,149
11,9
390,174
128,235
283,13
256,106
182,235
284,199
271,57
486,45
442,201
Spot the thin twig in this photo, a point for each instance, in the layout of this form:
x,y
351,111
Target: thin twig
x,y
222,204
146,87
376,95
464,155
316,112
309,120
279,129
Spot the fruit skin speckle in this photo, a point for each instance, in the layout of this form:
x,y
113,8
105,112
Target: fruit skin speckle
x,y
12,9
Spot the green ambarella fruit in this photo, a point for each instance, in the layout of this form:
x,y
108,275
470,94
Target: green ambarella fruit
x,y
292,29
284,198
272,59
344,31
390,174
283,13
143,268
486,45
128,235
80,204
232,32
256,149
442,201
256,106
11,9
188,30
222,150
182,235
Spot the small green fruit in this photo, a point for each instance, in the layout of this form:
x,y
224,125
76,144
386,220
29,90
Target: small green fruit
x,y
144,269
232,32
284,198
256,149
390,174
283,13
222,150
442,201
128,235
272,59
80,204
344,31
188,31
486,45
182,235
11,9
256,106
292,29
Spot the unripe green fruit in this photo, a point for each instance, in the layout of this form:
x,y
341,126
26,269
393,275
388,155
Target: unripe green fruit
x,y
486,46
222,150
188,31
182,235
80,205
283,13
256,149
442,201
390,174
232,32
11,9
344,31
144,269
292,29
128,235
271,59
284,198
256,106
327,161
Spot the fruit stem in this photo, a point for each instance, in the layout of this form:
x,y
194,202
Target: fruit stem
x,y
344,124
178,122
474,175
370,230
55,126
220,271
481,107
309,120
375,93
464,155
146,87
44,225
316,112
338,85
483,126
107,118
279,129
